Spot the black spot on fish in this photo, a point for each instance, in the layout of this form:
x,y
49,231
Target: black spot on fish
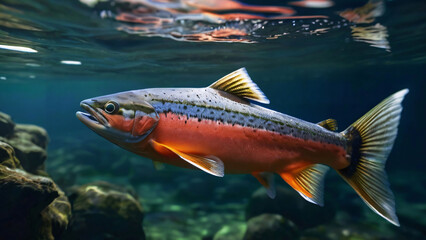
x,y
199,119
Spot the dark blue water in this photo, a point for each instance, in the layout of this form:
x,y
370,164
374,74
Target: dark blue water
x,y
304,70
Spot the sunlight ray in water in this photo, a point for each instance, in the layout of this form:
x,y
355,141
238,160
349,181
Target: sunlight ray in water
x,y
18,48
70,62
32,64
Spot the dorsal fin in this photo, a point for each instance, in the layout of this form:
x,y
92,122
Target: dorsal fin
x,y
240,84
329,124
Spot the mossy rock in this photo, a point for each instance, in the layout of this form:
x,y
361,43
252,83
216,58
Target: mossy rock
x,y
105,211
7,156
57,215
234,231
24,197
271,227
30,142
290,205
37,134
6,125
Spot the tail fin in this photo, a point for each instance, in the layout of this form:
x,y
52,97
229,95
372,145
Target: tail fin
x,y
370,141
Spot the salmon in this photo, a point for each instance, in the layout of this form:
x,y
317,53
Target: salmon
x,y
220,129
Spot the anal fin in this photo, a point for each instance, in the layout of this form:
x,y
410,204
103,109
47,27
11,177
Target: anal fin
x,y
210,164
309,182
267,180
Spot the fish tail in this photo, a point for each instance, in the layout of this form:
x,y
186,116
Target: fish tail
x,y
370,140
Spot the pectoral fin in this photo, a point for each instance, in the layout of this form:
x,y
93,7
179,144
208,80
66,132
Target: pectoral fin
x,y
267,180
210,164
309,182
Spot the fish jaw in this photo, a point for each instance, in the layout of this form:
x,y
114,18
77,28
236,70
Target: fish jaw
x,y
97,122
93,118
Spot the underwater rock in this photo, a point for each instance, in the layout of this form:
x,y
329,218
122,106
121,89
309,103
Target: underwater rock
x,y
30,142
234,231
29,207
24,197
76,161
6,125
57,215
290,205
66,165
104,211
271,227
7,156
36,134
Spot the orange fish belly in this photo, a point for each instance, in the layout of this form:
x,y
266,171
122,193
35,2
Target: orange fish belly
x,y
241,149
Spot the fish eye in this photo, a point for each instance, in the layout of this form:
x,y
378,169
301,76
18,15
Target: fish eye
x,y
111,107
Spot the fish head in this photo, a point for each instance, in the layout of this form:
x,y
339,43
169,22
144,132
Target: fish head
x,y
121,118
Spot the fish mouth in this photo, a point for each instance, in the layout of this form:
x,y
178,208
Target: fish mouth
x,y
92,118
96,121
